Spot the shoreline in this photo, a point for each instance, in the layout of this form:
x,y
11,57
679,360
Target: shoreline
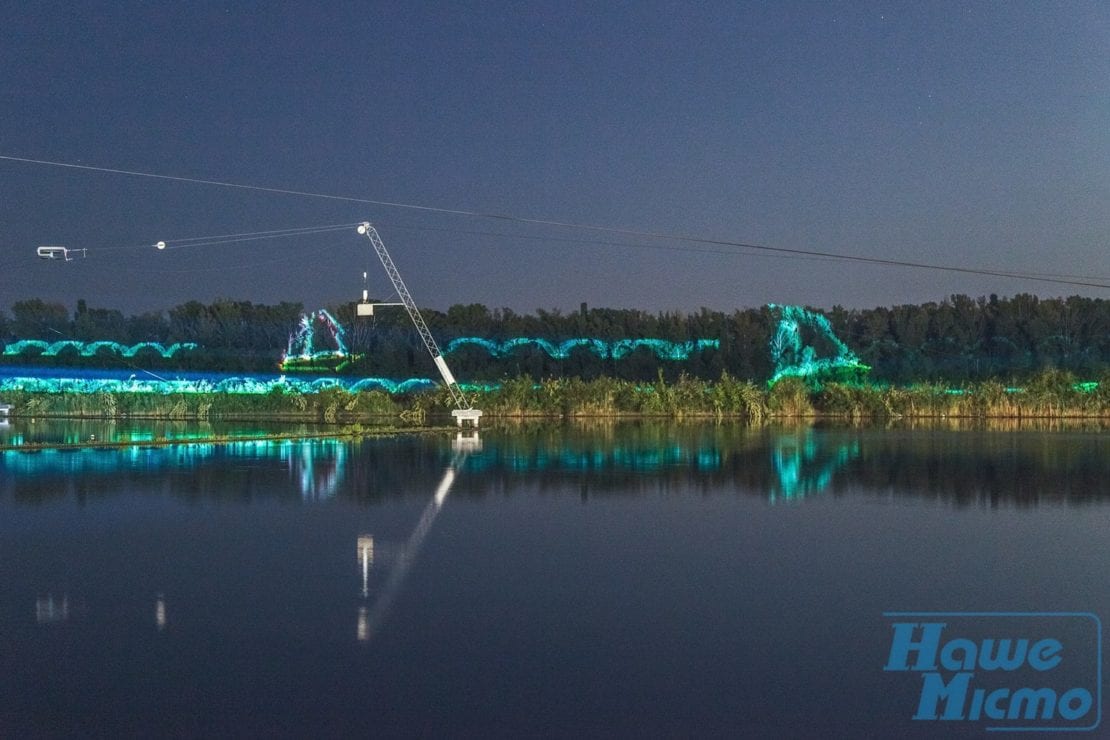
x,y
1051,394
340,433
527,424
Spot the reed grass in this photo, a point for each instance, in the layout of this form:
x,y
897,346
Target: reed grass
x,y
1050,394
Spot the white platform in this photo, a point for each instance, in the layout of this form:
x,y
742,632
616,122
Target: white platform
x,y
463,415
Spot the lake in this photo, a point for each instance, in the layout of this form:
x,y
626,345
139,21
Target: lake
x,y
595,579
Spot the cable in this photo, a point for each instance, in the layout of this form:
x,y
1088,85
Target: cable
x,y
136,368
309,230
217,241
409,227
221,267
567,240
284,232
203,241
566,224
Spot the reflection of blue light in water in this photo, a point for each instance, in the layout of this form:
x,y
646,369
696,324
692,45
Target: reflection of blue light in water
x,y
634,458
318,466
803,463
803,468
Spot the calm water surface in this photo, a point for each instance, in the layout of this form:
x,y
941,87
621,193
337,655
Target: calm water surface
x,y
602,580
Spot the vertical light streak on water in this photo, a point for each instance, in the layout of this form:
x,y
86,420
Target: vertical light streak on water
x,y
370,619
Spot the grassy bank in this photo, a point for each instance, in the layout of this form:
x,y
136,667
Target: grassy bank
x,y
1048,395
1051,394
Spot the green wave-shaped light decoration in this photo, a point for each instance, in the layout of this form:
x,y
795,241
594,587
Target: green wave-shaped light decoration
x,y
89,349
619,349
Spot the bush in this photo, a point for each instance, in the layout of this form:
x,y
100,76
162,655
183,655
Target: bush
x,y
789,397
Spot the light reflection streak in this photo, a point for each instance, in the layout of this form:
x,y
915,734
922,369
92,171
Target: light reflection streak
x,y
366,557
370,619
52,610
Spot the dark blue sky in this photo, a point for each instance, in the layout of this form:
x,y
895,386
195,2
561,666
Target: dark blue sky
x,y
970,134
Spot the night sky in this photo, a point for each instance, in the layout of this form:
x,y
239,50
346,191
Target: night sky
x,y
966,134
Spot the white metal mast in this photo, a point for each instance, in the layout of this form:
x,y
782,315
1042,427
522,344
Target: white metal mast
x,y
464,410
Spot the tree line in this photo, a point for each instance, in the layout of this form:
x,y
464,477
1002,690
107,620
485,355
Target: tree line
x,y
957,339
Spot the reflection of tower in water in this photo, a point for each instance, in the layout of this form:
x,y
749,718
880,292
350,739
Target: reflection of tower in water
x,y
363,632
371,617
51,610
366,559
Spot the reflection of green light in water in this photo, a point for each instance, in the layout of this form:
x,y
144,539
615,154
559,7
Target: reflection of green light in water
x,y
803,468
802,464
709,459
645,459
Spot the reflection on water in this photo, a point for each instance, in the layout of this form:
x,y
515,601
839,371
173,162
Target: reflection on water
x,y
370,619
628,580
366,558
805,462
316,466
51,609
26,431
319,466
780,464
